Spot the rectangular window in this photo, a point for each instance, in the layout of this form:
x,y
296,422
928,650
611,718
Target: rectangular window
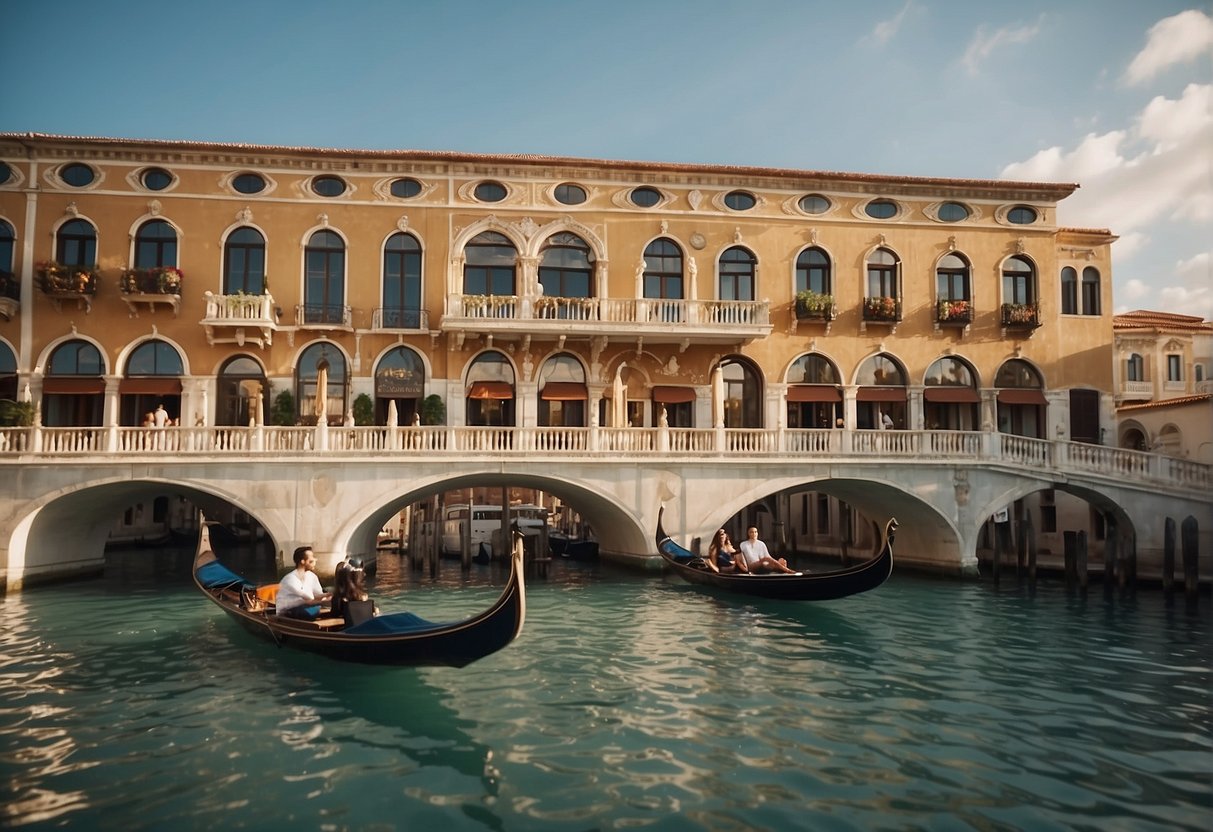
x,y
1175,368
1048,519
823,514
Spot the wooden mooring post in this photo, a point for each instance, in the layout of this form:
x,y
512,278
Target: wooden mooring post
x,y
1110,549
1026,533
1082,560
1168,556
1188,533
1070,554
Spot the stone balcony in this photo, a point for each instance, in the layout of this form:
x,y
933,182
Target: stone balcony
x,y
643,320
240,319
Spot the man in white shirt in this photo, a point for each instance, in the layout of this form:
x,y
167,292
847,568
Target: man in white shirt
x,y
758,557
299,592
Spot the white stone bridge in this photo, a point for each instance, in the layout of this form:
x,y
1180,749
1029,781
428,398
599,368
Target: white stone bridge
x,y
334,488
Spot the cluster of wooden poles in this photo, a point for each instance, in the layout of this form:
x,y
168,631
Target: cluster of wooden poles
x,y
1119,562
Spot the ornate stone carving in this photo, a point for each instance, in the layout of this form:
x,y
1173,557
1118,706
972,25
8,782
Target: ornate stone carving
x,y
244,215
154,207
695,197
403,222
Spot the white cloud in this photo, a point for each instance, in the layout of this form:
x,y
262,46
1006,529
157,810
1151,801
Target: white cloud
x,y
1167,122
1197,271
1134,290
984,43
1172,40
885,30
1129,244
1197,301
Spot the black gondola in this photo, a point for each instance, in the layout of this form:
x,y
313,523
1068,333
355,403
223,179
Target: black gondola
x,y
817,586
400,638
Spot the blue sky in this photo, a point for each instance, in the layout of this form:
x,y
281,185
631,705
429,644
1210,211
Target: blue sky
x,y
1116,95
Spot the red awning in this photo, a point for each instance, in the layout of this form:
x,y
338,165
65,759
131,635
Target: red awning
x,y
152,385
880,394
951,395
673,395
491,390
55,384
813,393
1022,395
564,391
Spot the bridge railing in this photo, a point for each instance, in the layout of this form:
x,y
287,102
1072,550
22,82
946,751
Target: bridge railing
x,y
25,444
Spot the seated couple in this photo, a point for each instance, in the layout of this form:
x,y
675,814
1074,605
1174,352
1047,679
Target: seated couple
x,y
300,594
753,557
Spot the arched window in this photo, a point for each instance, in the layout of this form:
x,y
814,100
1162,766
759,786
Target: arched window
x,y
490,265
813,273
1136,369
324,279
244,262
155,245
814,393
881,397
73,392
321,355
243,393
738,267
563,394
1018,281
882,299
8,373
663,270
1069,291
742,393
152,378
950,397
76,244
1090,291
401,283
952,287
566,267
490,390
8,240
1021,399
400,377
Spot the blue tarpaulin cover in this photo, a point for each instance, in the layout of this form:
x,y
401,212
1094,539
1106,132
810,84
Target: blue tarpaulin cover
x,y
386,625
215,574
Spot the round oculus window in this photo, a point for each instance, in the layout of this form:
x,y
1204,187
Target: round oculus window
x,y
570,194
156,179
1022,215
953,212
814,204
249,183
328,185
740,200
78,175
6,173
490,192
881,209
645,197
405,188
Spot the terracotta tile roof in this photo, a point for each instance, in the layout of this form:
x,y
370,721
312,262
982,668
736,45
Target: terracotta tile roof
x,y
1057,190
1178,402
1146,319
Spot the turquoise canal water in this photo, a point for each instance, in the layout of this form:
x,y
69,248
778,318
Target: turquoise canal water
x,y
630,701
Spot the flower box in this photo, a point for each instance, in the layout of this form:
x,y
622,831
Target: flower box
x,y
954,312
882,309
57,279
814,306
158,280
1021,315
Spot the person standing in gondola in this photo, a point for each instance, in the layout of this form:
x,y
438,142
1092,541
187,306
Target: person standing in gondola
x,y
758,557
299,592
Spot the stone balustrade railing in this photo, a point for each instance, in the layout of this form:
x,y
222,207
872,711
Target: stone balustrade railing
x,y
44,444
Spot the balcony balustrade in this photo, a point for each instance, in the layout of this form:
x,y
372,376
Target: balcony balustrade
x,y
585,445
1137,390
882,310
957,313
240,319
10,295
326,316
152,286
655,320
59,282
410,320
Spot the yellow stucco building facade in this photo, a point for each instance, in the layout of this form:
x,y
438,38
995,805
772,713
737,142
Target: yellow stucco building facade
x,y
526,290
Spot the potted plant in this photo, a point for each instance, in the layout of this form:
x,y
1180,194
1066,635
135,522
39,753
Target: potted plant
x,y
1020,314
364,410
156,280
433,410
283,411
954,311
55,278
881,308
810,304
